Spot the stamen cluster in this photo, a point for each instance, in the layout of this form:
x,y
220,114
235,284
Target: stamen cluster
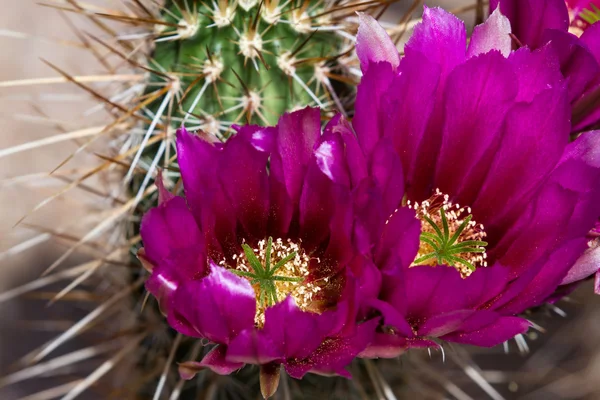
x,y
276,269
449,235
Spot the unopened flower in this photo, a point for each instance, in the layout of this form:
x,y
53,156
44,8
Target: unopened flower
x,y
272,254
504,201
538,23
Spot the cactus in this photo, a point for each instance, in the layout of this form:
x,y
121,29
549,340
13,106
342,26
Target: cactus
x,y
208,65
233,63
247,61
223,63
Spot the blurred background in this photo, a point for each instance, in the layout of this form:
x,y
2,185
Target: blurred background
x,y
563,363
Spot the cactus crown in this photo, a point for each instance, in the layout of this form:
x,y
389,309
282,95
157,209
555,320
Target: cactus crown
x,y
247,61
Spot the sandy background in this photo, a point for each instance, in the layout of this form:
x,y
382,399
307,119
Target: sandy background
x,y
29,33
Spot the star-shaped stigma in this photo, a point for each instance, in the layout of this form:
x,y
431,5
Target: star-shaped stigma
x,y
449,235
264,276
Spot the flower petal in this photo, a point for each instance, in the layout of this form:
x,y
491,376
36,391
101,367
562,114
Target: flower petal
x,y
579,172
493,34
386,169
530,18
392,318
479,93
369,216
586,111
334,354
503,329
586,265
536,71
443,324
538,230
408,106
520,164
373,44
370,112
297,134
215,361
441,36
252,346
170,227
330,158
431,291
174,247
354,157
577,63
243,175
321,198
591,38
295,333
399,241
218,307
180,267
550,275
198,161
368,279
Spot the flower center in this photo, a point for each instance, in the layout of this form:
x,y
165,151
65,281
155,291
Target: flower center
x,y
449,235
276,269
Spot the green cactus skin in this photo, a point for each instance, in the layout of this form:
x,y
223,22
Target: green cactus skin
x,y
246,62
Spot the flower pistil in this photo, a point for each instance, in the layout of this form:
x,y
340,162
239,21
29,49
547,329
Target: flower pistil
x,y
449,235
276,269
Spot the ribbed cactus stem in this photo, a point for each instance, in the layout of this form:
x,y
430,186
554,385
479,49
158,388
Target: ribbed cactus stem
x,y
247,61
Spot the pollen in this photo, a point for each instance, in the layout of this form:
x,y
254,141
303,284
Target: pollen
x,y
284,270
449,235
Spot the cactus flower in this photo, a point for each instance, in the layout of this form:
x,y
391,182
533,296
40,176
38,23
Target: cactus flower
x,y
277,258
505,201
536,23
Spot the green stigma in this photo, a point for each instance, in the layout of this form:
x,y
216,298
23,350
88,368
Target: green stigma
x,y
276,269
590,16
449,236
264,275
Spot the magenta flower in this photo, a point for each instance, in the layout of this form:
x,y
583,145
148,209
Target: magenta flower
x,y
505,202
542,22
536,23
273,253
